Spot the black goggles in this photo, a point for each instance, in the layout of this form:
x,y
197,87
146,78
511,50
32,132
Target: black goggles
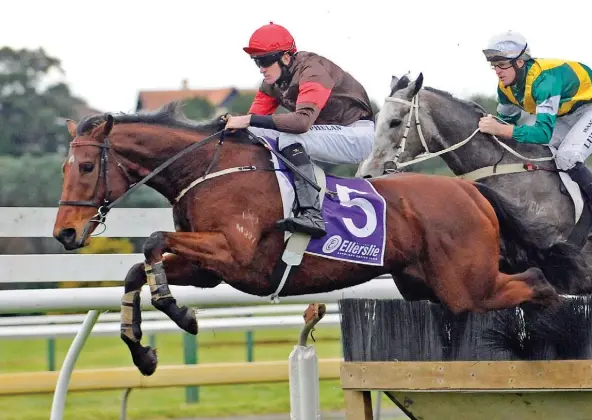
x,y
267,60
503,64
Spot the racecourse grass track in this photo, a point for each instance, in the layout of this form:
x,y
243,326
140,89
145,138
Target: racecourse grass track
x,y
166,403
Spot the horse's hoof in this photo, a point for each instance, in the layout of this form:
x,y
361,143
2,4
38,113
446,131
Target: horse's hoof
x,y
188,321
546,296
147,361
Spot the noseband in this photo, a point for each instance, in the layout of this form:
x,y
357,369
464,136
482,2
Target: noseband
x,y
103,206
414,109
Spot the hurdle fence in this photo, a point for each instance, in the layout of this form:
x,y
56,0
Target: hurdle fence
x,y
30,222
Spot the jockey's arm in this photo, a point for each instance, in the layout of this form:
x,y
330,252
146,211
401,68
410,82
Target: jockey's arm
x,y
314,90
263,103
546,94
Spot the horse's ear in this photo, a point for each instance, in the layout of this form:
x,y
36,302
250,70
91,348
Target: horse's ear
x,y
103,129
71,124
108,125
394,81
416,85
398,84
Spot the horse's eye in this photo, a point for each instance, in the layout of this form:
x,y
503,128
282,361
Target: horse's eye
x,y
87,167
395,122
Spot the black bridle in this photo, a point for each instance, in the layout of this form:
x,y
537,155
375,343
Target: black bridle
x,y
106,204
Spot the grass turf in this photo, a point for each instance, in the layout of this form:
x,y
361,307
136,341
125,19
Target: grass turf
x,y
153,404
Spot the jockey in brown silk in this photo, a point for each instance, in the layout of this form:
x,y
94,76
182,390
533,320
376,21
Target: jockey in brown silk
x,y
330,117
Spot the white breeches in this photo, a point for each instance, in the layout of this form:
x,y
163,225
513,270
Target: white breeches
x,y
572,138
333,144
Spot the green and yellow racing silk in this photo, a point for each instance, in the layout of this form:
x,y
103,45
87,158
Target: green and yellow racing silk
x,y
551,88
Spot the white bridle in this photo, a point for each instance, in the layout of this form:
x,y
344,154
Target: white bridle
x,y
414,108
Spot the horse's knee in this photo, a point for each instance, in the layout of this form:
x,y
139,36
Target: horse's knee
x,y
135,277
154,247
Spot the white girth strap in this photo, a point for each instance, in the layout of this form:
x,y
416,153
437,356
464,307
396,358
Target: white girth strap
x,y
213,175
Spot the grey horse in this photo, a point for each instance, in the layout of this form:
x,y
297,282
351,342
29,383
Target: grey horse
x,y
524,174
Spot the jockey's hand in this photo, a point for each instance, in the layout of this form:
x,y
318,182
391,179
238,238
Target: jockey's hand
x,y
489,125
237,122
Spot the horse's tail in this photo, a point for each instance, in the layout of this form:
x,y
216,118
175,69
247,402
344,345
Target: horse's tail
x,y
524,244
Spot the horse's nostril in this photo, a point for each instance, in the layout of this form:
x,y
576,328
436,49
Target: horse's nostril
x,y
67,235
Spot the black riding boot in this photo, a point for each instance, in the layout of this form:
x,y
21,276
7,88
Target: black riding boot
x,y
582,176
309,218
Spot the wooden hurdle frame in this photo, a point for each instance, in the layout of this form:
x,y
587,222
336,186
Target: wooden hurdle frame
x,y
472,390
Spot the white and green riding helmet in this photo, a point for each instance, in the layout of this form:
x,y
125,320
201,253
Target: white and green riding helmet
x,y
509,45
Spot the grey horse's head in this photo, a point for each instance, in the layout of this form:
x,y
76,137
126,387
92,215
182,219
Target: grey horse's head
x,y
393,124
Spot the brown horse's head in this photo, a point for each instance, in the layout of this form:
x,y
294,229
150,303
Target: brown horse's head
x,y
91,180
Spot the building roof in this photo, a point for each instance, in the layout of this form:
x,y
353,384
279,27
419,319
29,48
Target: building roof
x,y
81,110
150,100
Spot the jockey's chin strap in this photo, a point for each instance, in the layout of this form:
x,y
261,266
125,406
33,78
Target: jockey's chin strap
x,y
414,105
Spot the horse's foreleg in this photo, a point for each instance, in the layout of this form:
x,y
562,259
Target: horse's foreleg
x,y
131,319
162,299
180,272
190,246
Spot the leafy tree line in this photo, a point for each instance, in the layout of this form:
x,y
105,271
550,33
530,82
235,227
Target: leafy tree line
x,y
34,138
32,108
36,181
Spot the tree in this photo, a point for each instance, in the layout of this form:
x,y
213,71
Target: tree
x,y
36,181
198,109
241,103
375,107
488,102
32,109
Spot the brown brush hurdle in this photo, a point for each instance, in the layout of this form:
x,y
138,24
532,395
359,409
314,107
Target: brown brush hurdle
x,y
524,363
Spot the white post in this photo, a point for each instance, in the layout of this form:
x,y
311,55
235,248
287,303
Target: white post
x,y
59,396
304,384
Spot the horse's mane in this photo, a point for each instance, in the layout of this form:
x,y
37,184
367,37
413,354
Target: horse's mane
x,y
470,105
404,81
169,115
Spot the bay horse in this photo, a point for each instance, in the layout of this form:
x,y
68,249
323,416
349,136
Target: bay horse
x,y
441,237
417,122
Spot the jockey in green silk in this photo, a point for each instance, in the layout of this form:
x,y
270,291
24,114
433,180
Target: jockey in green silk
x,y
558,92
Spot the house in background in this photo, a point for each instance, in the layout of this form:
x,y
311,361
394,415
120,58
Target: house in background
x,y
82,110
78,112
150,100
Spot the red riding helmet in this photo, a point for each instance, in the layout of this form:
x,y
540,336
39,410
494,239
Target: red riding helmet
x,y
269,39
